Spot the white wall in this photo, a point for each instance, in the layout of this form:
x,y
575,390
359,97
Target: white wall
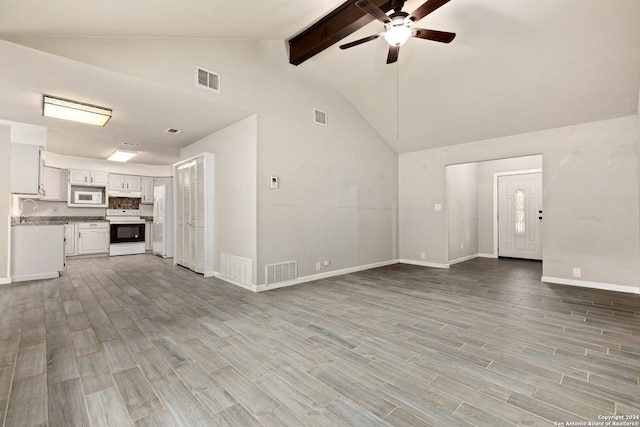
x,y
590,198
5,177
461,183
235,149
337,199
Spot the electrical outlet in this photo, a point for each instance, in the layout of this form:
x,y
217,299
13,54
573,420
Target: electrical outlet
x,y
318,266
461,246
327,263
423,255
577,272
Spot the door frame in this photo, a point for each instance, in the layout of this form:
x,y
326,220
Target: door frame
x,y
495,201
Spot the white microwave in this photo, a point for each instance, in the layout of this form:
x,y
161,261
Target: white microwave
x,y
87,197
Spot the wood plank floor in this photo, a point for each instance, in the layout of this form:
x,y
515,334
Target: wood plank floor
x,y
133,340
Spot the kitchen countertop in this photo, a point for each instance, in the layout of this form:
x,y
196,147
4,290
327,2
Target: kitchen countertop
x,y
53,220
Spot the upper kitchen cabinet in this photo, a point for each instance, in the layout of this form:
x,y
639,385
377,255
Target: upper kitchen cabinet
x,y
162,180
125,183
54,184
147,190
88,177
25,168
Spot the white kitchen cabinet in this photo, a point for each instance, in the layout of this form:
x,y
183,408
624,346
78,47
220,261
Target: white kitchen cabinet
x,y
93,238
162,180
194,210
70,239
54,184
147,190
88,177
25,168
37,252
148,235
126,183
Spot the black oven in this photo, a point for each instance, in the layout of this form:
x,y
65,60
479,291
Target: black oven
x,y
127,232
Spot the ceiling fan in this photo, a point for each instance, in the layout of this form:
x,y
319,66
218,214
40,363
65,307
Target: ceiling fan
x,y
399,25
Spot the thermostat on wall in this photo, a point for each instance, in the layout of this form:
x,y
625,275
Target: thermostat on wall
x,y
274,182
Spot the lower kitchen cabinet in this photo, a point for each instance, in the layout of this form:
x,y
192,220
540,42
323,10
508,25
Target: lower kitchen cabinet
x,y
93,238
70,240
37,252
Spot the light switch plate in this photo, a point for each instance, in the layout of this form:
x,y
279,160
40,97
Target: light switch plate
x,y
437,207
274,182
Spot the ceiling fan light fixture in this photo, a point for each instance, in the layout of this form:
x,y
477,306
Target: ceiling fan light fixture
x,y
74,111
397,35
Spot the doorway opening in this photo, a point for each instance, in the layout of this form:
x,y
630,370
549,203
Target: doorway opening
x,y
471,201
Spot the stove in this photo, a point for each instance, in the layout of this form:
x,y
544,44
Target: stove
x,y
126,232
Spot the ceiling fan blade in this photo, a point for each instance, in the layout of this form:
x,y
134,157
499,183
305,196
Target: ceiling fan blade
x,y
393,54
359,41
426,8
436,36
373,10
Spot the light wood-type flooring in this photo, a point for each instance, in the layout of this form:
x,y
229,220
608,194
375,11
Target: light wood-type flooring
x,y
136,341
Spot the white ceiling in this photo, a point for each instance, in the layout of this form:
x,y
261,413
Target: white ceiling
x,y
514,67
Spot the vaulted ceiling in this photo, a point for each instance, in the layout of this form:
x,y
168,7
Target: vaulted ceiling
x,y
514,67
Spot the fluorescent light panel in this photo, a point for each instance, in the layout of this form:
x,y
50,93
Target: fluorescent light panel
x,y
70,110
122,156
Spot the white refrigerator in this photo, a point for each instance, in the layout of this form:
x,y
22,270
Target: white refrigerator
x,y
163,221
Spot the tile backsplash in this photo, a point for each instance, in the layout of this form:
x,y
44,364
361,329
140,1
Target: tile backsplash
x,y
124,202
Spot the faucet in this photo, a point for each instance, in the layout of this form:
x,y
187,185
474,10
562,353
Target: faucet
x,y
35,207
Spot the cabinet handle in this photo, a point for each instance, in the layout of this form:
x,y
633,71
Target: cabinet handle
x,y
79,235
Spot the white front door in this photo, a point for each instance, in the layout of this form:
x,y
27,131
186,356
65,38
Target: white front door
x,y
519,216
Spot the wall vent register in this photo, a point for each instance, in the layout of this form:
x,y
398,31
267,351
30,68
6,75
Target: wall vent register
x,y
281,272
320,117
208,79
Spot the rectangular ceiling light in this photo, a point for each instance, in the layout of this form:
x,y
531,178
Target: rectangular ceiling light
x,y
122,156
74,111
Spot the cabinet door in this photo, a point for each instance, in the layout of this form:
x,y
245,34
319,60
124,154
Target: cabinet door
x,y
93,241
133,183
79,176
147,190
70,239
157,182
54,184
99,177
25,168
116,182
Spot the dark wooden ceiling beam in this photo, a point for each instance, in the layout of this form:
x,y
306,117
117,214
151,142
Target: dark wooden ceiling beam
x,y
342,21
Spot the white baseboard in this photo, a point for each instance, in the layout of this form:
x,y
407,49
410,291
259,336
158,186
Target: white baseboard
x,y
592,285
5,281
40,276
463,259
424,263
311,278
494,256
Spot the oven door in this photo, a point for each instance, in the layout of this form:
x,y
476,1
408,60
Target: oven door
x,y
127,233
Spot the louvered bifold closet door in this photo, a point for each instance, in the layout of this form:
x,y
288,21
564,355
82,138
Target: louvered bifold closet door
x,y
180,220
199,215
186,211
194,214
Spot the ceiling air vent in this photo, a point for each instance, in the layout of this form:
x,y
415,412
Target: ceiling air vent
x,y
130,144
320,117
208,79
172,130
